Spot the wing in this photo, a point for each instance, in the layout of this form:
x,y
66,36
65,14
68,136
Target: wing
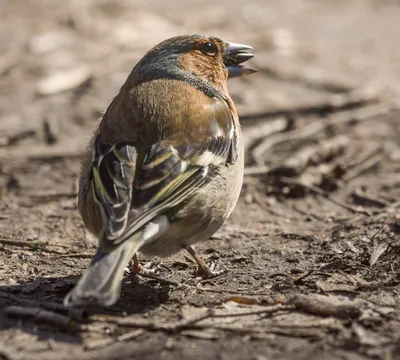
x,y
113,173
131,193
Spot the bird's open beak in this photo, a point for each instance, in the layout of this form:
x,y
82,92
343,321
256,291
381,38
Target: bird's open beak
x,y
234,55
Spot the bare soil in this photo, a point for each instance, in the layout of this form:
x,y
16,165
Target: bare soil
x,y
313,247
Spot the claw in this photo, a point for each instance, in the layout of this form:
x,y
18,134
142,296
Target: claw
x,y
204,271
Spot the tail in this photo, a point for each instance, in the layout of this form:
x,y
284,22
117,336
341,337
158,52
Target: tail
x,y
102,281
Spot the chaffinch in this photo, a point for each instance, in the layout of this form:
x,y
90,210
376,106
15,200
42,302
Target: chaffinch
x,y
165,167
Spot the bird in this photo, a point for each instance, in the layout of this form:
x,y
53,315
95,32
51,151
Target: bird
x,y
164,168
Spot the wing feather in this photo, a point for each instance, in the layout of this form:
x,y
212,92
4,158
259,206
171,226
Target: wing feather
x,y
131,193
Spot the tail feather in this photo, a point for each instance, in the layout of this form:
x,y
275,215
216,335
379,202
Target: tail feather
x,y
102,281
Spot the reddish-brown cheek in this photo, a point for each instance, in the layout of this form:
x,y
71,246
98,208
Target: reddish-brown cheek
x,y
206,67
194,63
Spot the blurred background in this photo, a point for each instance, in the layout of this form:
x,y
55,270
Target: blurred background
x,y
64,61
322,186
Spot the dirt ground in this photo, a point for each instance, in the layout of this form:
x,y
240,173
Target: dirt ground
x,y
313,247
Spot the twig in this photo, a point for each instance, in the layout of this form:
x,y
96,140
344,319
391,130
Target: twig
x,y
178,326
377,252
108,341
324,174
258,201
384,314
312,155
270,310
34,245
376,234
246,300
76,256
359,156
198,287
40,315
55,196
5,354
256,170
274,275
329,82
253,133
317,126
21,242
323,193
260,332
74,313
15,138
332,104
299,280
295,302
154,326
308,213
55,155
165,281
362,167
319,307
378,249
395,205
366,200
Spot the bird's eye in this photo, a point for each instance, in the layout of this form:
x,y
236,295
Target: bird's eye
x,y
209,48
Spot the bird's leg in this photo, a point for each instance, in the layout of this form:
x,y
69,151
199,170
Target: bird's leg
x,y
147,269
135,266
203,270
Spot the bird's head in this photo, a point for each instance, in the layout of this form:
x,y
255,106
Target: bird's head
x,y
207,57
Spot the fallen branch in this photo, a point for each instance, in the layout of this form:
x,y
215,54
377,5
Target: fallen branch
x,y
98,344
151,325
363,199
312,155
260,333
312,305
33,245
40,315
299,280
186,324
260,131
76,256
73,313
21,242
198,287
305,75
333,103
326,175
52,196
256,170
257,199
309,79
308,213
54,155
317,126
323,193
15,138
362,167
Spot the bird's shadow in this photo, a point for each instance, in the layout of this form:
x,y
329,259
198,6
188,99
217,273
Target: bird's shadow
x,y
137,297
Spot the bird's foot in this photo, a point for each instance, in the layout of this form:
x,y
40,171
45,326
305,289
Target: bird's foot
x,y
205,271
209,271
150,268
